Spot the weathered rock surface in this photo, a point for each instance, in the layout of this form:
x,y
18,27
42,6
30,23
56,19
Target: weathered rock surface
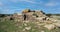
x,y
49,26
36,17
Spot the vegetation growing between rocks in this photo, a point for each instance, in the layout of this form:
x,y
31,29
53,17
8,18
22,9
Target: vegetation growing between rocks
x,y
33,24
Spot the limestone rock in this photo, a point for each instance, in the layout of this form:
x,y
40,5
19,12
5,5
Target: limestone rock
x,y
42,31
57,24
50,26
48,22
27,28
26,11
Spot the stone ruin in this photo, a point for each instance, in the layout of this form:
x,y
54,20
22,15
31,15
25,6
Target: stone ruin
x,y
35,15
30,15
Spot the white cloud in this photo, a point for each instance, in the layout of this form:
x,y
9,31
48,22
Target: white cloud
x,y
7,11
14,0
1,4
29,1
51,4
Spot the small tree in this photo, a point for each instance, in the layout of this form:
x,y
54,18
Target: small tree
x,y
48,15
42,12
2,15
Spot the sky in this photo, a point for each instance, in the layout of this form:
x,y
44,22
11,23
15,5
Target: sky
x,y
17,6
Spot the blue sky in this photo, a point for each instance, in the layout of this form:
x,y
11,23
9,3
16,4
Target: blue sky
x,y
16,6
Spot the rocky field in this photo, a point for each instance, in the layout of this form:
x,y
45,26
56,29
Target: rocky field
x,y
32,24
7,25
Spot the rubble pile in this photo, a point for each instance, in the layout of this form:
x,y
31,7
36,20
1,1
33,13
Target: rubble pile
x,y
38,18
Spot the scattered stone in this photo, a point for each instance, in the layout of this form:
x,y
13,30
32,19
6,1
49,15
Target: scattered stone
x,y
36,17
57,24
25,21
27,28
49,26
42,31
49,22
25,24
23,30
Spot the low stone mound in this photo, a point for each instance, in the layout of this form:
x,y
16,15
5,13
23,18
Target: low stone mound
x,y
37,17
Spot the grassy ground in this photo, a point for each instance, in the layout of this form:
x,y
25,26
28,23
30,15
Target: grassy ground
x,y
20,26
